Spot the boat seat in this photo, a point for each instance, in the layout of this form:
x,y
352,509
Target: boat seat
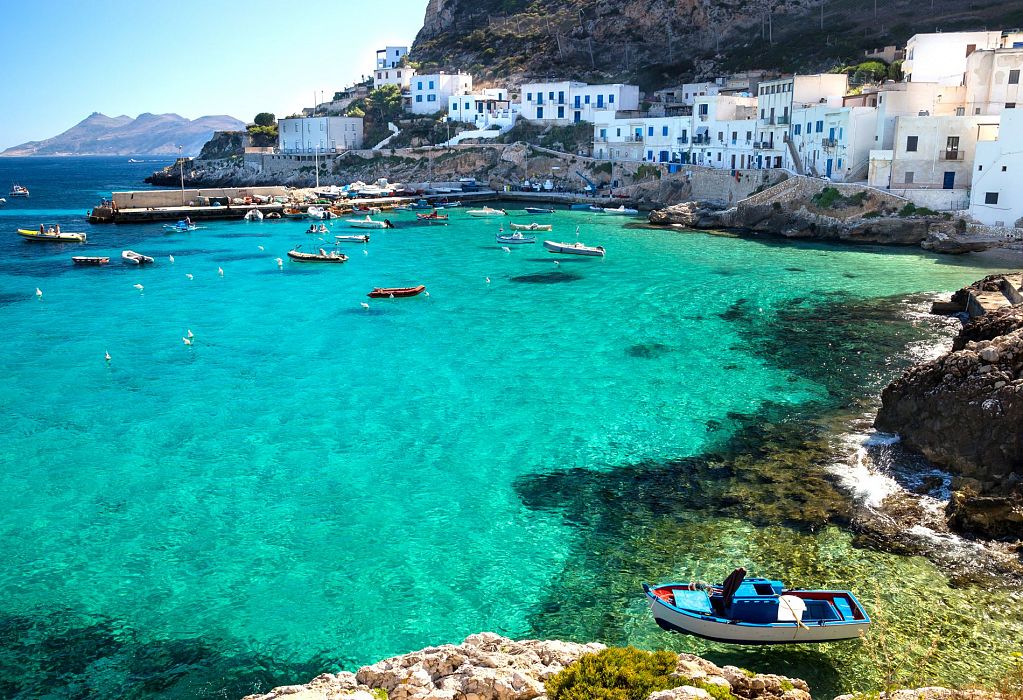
x,y
820,610
697,601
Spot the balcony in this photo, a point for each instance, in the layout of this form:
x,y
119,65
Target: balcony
x,y
634,138
829,144
764,145
782,121
701,140
951,155
682,140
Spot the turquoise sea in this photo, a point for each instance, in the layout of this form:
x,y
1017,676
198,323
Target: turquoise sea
x,y
315,485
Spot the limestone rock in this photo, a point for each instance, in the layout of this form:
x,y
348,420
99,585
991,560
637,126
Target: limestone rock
x,y
991,517
327,686
929,693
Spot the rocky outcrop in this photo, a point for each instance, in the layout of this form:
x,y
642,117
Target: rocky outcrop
x,y
488,666
963,412
686,214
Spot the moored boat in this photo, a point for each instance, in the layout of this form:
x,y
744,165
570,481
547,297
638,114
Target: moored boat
x,y
320,213
292,213
18,191
352,239
51,234
421,204
621,211
130,257
756,611
515,239
254,215
369,223
89,260
272,215
486,211
396,292
433,216
183,225
538,210
531,227
323,256
574,248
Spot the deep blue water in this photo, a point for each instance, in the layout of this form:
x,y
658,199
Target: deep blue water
x,y
315,485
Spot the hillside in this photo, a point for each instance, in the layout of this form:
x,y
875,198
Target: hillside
x,y
148,134
663,42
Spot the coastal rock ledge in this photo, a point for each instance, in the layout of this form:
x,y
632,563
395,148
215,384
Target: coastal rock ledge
x,y
488,666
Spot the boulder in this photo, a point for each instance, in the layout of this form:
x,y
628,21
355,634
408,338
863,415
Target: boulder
x,y
990,517
327,686
687,214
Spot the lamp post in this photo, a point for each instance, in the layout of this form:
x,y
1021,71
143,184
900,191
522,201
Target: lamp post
x,y
181,165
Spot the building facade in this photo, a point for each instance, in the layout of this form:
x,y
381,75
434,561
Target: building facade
x,y
319,134
485,109
998,174
833,142
992,81
429,93
941,57
568,102
391,56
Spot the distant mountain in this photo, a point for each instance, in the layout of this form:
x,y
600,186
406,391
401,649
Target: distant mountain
x,y
147,134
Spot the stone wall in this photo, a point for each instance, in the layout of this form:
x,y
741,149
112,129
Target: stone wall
x,y
799,189
145,199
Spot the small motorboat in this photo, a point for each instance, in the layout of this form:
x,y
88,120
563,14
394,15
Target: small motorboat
x,y
254,215
421,204
130,257
531,227
433,216
486,211
292,213
621,211
448,204
3,201
320,213
273,215
396,292
538,210
756,611
515,239
18,191
51,234
352,239
334,256
369,223
574,248
89,260
595,209
181,226
365,210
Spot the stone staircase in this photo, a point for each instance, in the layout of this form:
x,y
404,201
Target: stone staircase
x,y
797,162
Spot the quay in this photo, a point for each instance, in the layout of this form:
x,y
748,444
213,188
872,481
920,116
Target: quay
x,y
993,294
151,206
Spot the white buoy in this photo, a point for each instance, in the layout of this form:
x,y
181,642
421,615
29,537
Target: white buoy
x,y
426,293
506,249
220,271
280,263
171,258
106,356
260,247
577,230
190,334
365,252
557,262
139,287
488,280
188,275
187,341
39,293
364,305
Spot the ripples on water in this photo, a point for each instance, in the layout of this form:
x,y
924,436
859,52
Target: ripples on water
x,y
316,485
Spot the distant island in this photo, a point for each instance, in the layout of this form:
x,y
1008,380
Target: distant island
x,y
147,134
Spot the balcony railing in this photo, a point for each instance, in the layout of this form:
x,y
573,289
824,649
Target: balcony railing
x,y
764,145
683,139
782,121
701,140
952,155
829,143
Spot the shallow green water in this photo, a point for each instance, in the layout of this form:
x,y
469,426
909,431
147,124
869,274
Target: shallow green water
x,y
314,484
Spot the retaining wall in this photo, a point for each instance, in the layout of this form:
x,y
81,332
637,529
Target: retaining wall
x,y
145,199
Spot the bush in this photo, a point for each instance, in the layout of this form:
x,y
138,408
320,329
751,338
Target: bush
x,y
826,198
615,674
913,210
604,167
265,119
644,171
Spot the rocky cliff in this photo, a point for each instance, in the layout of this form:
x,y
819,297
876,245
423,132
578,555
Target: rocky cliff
x,y
662,42
147,134
963,412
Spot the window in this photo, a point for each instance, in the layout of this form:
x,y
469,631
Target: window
x,y
650,131
990,198
586,99
664,131
980,167
419,98
762,113
561,97
820,126
721,136
610,99
419,85
431,85
796,129
1010,105
649,155
909,177
808,129
911,142
529,97
431,98
603,133
1003,168
1014,77
539,112
551,95
839,163
561,112
749,136
619,132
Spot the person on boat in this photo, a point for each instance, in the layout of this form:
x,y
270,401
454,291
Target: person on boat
x,y
388,224
58,228
41,229
322,229
188,221
312,228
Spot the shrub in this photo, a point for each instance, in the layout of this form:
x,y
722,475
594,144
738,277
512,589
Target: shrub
x,y
913,210
826,198
615,674
644,171
604,167
873,215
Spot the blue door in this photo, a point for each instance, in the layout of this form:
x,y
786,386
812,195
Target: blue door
x,y
577,117
663,156
600,101
831,133
950,180
829,167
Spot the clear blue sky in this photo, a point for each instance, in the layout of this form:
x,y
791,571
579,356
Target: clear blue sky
x,y
65,59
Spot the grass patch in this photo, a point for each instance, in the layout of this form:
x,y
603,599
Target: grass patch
x,y
913,210
831,198
618,673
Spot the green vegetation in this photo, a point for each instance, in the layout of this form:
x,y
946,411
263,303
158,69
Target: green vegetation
x,y
831,198
379,694
265,119
618,673
570,139
646,170
604,167
913,210
263,130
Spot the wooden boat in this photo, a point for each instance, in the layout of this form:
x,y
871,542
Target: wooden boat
x,y
538,210
130,257
756,611
515,239
531,227
621,211
323,256
273,215
421,204
395,292
368,223
352,239
253,215
51,235
486,211
89,260
574,248
18,191
432,217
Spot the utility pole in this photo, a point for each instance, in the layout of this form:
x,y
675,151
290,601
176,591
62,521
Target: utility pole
x,y
181,163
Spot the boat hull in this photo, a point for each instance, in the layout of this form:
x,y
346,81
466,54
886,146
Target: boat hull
x,y
37,237
531,227
130,257
509,240
313,258
89,260
366,224
396,292
569,249
538,210
352,239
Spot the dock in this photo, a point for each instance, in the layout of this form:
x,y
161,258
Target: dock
x,y
987,296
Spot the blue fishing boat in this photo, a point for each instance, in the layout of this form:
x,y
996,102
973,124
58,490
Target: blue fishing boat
x,y
756,611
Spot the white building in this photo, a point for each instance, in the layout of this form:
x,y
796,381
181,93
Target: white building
x,y
687,93
429,93
992,81
567,102
896,100
401,76
941,58
833,142
775,102
723,133
652,139
998,174
319,134
391,56
486,109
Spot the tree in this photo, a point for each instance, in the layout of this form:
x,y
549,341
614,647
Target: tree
x,y
384,103
265,119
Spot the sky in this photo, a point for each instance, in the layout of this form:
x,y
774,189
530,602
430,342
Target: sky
x,y
65,59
